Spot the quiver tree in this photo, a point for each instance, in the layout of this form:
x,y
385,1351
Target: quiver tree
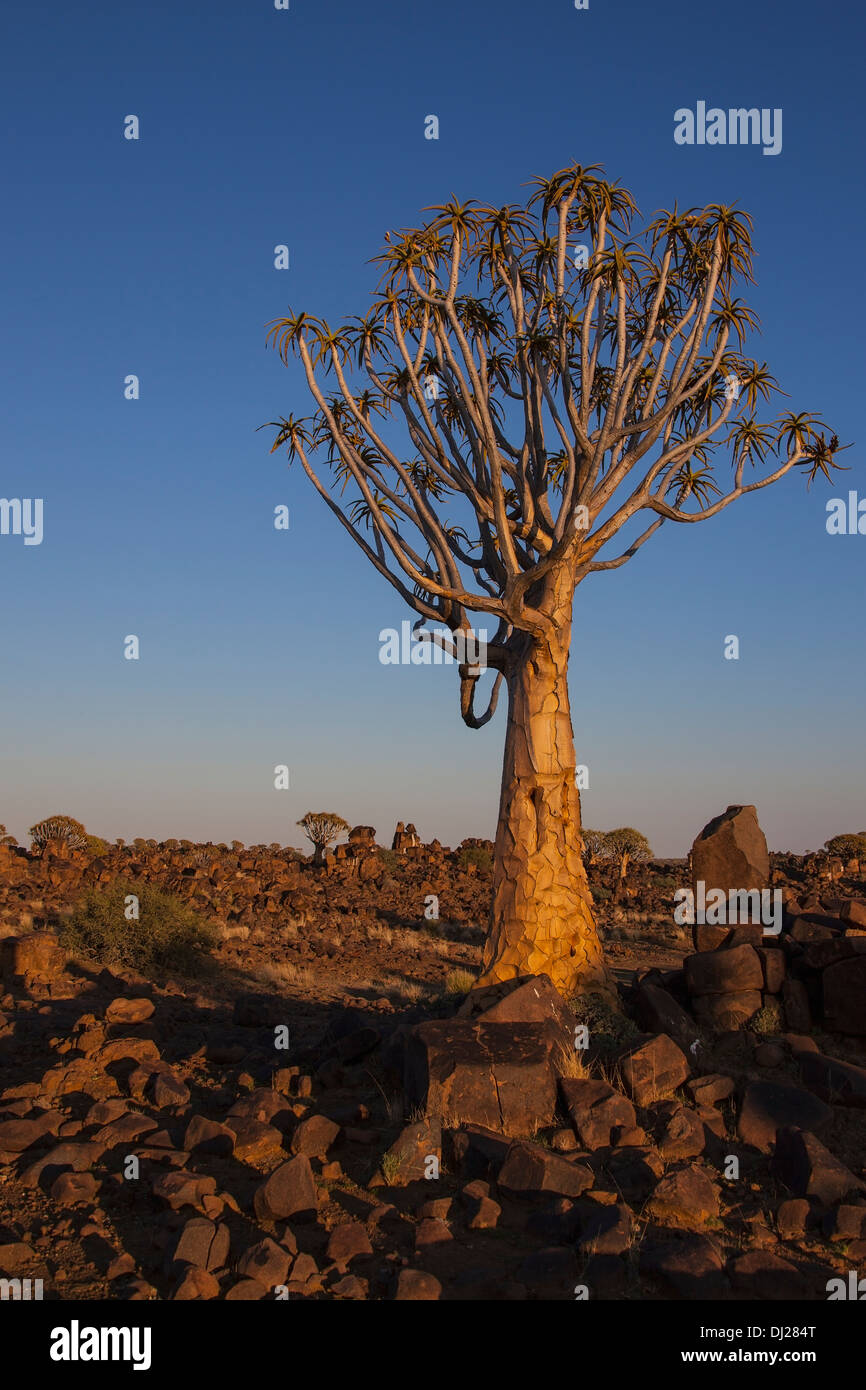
x,y
322,829
562,381
593,846
847,847
62,829
623,846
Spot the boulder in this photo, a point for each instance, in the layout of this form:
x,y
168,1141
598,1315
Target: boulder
x,y
498,1075
289,1191
529,999
808,1169
840,1083
407,1159
761,1274
531,1170
685,1198
711,1088
654,1068
38,953
659,1012
595,1109
769,1106
731,852
267,1262
844,989
690,1267
724,1013
732,970
795,1000
203,1243
126,1010
314,1136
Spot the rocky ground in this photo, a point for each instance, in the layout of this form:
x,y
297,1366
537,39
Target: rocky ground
x,y
322,1111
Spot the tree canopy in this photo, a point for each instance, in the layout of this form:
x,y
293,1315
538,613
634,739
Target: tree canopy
x,y
560,372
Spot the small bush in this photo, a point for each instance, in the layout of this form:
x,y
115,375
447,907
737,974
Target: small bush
x,y
472,854
609,1028
96,846
768,1019
391,859
167,935
459,981
600,894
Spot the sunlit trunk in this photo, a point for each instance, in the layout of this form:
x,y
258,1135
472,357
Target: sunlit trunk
x,y
542,919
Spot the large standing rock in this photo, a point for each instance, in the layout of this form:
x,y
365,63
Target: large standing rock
x,y
499,1075
732,971
731,852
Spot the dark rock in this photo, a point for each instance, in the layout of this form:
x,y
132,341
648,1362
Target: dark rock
x,y
760,1274
844,988
808,1169
594,1109
289,1191
415,1285
769,1105
733,970
685,1198
203,1243
724,1013
690,1267
530,1169
731,852
498,1075
653,1069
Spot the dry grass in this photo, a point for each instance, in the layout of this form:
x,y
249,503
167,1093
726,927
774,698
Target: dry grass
x,y
459,981
279,974
403,989
570,1063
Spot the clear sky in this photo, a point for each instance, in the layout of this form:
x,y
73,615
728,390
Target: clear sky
x,y
155,257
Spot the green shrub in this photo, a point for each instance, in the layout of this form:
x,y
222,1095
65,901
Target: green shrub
x,y
167,935
768,1019
600,894
609,1028
391,859
95,845
472,854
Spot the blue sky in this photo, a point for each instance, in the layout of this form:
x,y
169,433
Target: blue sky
x,y
258,647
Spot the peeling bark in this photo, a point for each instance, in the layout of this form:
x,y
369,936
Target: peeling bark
x,y
542,919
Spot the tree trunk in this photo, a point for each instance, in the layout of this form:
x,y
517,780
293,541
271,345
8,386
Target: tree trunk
x,y
541,920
